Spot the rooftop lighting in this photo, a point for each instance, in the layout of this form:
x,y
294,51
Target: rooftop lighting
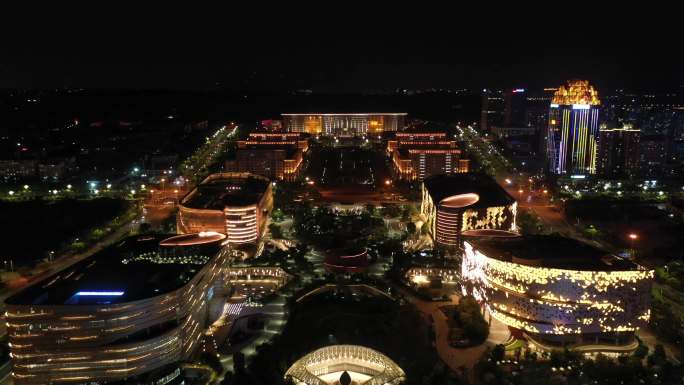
x,y
100,293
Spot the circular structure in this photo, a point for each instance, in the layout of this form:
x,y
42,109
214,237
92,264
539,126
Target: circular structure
x,y
454,204
337,363
202,238
558,291
346,260
490,233
120,305
235,204
460,200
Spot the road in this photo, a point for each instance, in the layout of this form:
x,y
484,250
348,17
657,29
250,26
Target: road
x,y
60,264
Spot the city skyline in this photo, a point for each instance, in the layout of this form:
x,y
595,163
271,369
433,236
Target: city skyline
x,y
322,194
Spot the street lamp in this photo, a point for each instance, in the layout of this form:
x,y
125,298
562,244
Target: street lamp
x,y
26,187
632,237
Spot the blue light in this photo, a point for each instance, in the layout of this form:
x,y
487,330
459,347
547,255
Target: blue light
x,y
100,293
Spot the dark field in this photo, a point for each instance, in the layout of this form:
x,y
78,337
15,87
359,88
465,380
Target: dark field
x,y
659,234
29,230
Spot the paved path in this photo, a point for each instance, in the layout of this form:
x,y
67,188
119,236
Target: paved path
x,y
456,358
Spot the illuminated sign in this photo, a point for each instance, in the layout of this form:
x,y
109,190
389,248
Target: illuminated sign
x,y
554,105
578,176
580,107
518,90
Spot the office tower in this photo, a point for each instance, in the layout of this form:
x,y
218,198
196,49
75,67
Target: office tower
x,y
573,130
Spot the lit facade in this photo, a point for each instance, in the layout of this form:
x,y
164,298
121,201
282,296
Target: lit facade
x,y
325,366
559,292
453,204
107,319
343,125
235,204
573,130
416,156
272,155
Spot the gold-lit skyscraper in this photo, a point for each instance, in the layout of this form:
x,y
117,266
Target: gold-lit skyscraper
x,y
573,131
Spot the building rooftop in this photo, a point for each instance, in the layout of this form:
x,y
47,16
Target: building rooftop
x,y
550,251
218,192
344,113
133,269
490,193
289,149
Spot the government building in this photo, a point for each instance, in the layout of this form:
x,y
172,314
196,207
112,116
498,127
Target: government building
x,y
345,124
276,156
558,292
418,155
129,312
453,204
235,204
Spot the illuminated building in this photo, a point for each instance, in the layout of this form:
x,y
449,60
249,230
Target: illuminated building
x,y
344,125
272,125
573,132
493,109
417,155
618,151
272,155
456,203
558,291
328,366
130,311
235,204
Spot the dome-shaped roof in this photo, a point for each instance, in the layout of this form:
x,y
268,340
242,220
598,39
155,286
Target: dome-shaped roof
x,y
377,368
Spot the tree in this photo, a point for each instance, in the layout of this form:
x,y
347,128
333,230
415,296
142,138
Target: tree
x,y
641,352
529,223
277,215
498,353
370,209
238,362
275,231
411,228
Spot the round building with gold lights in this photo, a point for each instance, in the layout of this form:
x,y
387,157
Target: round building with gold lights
x,y
558,292
453,204
345,364
235,204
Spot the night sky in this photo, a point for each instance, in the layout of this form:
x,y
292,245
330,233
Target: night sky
x,y
337,47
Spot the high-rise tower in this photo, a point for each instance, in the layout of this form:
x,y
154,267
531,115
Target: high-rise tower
x,y
573,132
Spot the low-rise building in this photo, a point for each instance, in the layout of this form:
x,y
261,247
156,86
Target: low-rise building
x,y
272,155
558,292
132,311
235,204
418,155
453,204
